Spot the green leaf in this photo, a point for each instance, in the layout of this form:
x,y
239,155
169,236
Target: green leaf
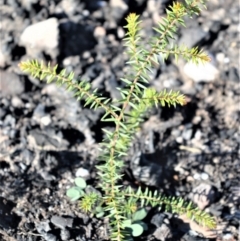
x,y
137,230
98,209
139,214
99,212
144,225
74,193
80,182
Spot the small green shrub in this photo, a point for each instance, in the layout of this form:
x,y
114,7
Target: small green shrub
x,y
119,203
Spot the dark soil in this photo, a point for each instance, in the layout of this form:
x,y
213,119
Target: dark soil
x,y
47,137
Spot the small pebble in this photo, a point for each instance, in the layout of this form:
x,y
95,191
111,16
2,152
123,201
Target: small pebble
x,y
120,32
81,172
197,176
46,120
99,32
227,236
204,176
179,139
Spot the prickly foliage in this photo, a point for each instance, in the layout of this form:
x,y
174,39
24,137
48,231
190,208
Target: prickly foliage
x,y
127,114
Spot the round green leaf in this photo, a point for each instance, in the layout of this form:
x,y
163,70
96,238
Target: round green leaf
x,y
80,182
139,214
100,214
99,209
74,193
144,225
137,230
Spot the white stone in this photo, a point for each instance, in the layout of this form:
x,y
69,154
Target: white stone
x,y
118,4
151,6
179,139
41,36
197,176
17,102
46,120
204,176
85,13
120,32
198,135
82,172
202,72
99,31
220,57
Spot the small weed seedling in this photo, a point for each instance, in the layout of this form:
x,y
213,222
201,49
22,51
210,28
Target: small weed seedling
x,y
119,203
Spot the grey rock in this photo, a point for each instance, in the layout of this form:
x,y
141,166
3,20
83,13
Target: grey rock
x,y
189,237
119,8
192,36
12,133
9,121
40,115
43,227
44,138
62,222
39,111
216,25
49,237
10,84
16,102
203,195
218,14
187,134
234,74
27,156
208,168
157,219
65,234
216,210
48,177
163,233
2,113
